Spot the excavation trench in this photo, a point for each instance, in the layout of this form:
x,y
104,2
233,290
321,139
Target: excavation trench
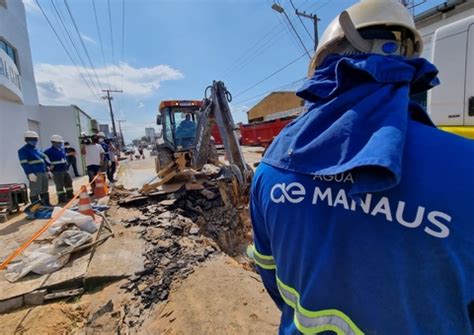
x,y
182,230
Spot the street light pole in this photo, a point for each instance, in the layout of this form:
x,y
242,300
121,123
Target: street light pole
x,y
315,19
276,7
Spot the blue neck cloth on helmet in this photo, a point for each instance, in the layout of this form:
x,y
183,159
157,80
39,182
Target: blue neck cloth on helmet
x,y
358,110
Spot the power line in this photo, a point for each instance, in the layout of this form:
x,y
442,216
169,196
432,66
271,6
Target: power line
x,y
123,29
301,21
101,43
63,23
293,28
111,32
64,47
82,42
270,75
288,29
123,59
321,6
271,90
244,55
249,59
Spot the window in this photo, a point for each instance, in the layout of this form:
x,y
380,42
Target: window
x,y
9,49
185,128
168,127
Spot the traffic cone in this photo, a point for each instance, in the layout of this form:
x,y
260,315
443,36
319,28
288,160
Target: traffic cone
x,y
85,203
100,186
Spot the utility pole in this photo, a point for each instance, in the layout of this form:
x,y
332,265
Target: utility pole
x,y
122,141
315,19
109,98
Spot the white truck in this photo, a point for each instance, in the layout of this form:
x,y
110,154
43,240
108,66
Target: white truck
x,y
451,105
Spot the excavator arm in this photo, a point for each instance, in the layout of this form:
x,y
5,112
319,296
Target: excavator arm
x,y
216,110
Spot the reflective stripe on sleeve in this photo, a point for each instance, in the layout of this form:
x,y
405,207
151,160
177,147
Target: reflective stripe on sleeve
x,y
46,158
36,161
24,161
314,322
62,161
264,261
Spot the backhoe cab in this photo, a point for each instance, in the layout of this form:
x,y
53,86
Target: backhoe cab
x,y
178,119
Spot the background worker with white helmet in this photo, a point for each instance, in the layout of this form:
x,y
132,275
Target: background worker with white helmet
x,y
35,164
107,163
94,155
361,208
59,168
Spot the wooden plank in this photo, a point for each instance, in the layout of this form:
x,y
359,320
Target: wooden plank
x,y
74,269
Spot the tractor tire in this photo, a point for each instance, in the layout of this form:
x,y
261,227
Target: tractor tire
x,y
165,156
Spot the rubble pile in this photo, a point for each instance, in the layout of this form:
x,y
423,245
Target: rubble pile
x,y
182,229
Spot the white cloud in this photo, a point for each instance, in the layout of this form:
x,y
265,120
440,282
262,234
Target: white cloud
x,y
141,105
31,6
62,84
88,39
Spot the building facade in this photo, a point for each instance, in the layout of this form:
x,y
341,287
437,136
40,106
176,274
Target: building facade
x,y
150,134
19,106
276,103
105,129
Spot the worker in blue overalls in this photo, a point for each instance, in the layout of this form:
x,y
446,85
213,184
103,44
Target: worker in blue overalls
x,y
362,209
35,164
59,167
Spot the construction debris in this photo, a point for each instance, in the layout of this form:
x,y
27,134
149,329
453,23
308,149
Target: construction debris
x,y
181,230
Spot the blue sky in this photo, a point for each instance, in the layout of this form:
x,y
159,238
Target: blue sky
x,y
172,49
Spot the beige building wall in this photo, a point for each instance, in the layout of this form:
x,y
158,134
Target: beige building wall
x,y
273,103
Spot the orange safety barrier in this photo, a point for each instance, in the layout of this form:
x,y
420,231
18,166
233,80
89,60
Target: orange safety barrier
x,y
41,230
100,186
85,206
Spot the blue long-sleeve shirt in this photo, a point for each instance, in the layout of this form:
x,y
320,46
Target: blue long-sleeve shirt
x,y
32,160
362,209
57,158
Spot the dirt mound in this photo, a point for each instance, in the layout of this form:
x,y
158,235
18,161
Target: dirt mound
x,y
51,319
218,298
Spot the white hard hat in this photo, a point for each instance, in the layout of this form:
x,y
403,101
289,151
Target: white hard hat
x,y
31,134
387,15
57,138
100,134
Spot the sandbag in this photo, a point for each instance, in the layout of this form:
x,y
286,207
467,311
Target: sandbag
x,y
83,222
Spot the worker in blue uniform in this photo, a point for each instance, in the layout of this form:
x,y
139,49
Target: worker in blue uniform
x,y
185,132
59,167
35,164
361,208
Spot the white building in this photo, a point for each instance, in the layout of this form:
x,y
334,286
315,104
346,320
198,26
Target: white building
x,y
105,129
150,134
19,106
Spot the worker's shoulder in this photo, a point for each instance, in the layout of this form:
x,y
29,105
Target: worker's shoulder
x,y
26,149
423,140
49,151
435,155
